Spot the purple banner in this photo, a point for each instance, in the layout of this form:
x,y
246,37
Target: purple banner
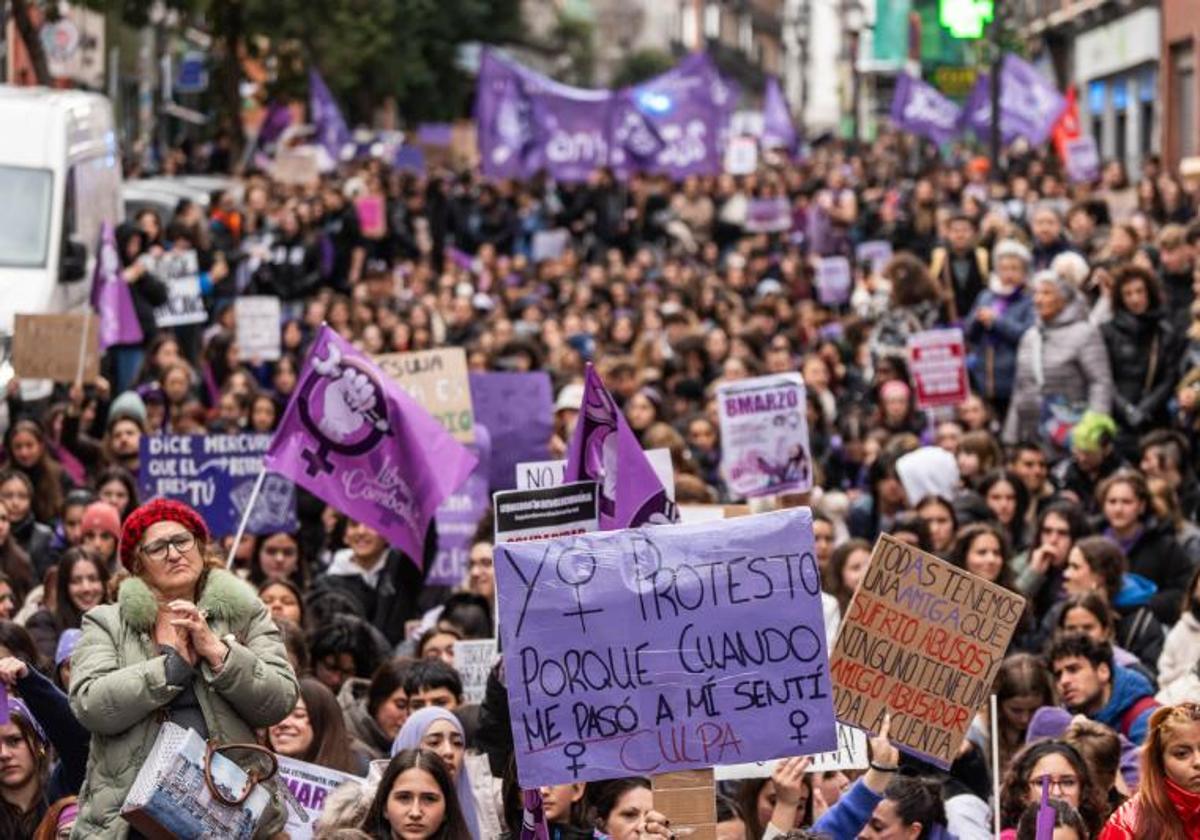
x,y
458,516
278,118
111,297
518,410
659,649
1030,105
778,130
604,449
326,117
355,439
919,108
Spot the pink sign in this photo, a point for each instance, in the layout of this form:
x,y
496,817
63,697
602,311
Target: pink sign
x,y
937,361
370,216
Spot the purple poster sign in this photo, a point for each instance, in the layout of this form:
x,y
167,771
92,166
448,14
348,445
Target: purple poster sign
x,y
354,438
764,435
660,649
518,410
1083,159
920,108
459,515
604,449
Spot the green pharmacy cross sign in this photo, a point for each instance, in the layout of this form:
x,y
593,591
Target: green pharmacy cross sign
x,y
965,18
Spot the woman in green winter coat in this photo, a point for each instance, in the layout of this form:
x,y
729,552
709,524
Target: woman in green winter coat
x,y
186,642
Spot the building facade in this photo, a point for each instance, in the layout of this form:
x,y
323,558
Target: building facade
x,y
1180,83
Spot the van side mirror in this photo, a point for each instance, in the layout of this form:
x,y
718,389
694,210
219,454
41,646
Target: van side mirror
x,y
74,262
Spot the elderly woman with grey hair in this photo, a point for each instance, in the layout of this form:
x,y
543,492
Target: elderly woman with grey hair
x,y
999,317
1062,366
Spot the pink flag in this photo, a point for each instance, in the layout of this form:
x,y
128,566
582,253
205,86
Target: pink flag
x,y
355,439
604,449
111,297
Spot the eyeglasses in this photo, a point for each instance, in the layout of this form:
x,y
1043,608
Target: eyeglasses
x,y
1065,784
157,551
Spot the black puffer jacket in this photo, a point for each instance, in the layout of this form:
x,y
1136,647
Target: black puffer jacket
x,y
1142,381
1157,555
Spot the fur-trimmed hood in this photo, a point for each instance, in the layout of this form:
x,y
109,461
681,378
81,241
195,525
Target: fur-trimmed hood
x,y
225,597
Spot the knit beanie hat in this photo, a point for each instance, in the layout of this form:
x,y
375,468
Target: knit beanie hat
x,y
128,406
157,510
102,517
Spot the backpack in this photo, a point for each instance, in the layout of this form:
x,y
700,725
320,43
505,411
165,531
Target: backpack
x,y
1134,712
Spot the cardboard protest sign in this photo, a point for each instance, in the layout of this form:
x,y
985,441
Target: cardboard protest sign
x,y
553,512
458,518
874,254
764,435
259,327
851,754
473,659
656,649
298,166
518,409
437,379
215,474
689,800
922,639
311,784
833,280
180,272
937,360
57,347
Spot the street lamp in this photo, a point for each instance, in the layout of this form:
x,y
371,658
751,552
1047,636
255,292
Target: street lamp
x,y
800,29
853,18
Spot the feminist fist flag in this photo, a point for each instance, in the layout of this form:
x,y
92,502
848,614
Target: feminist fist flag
x,y
604,449
111,297
353,438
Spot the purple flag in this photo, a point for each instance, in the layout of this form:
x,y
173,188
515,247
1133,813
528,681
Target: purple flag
x,y
778,130
332,132
533,816
501,118
1046,816
1030,104
920,109
604,449
278,118
111,297
354,438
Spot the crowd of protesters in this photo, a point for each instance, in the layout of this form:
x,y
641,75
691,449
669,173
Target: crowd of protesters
x,y
1067,476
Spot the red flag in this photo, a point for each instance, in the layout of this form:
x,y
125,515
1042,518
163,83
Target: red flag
x,y
1067,127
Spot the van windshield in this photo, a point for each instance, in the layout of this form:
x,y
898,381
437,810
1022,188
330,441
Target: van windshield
x,y
24,216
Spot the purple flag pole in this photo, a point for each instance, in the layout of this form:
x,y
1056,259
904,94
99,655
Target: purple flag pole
x,y
1046,815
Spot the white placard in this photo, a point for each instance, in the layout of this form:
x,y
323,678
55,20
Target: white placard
x,y
474,659
311,785
259,328
851,754
537,475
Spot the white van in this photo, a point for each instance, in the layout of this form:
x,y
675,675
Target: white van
x,y
60,178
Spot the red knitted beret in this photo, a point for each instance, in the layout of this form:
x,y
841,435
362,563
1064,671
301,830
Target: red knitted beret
x,y
157,510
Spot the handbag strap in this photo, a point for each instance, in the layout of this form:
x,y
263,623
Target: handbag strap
x,y
1153,367
252,776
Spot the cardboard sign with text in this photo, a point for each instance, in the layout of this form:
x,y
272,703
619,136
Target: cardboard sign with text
x,y
937,360
55,347
437,379
657,649
473,659
922,639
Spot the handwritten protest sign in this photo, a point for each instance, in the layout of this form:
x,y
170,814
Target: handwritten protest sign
x,y
851,754
833,280
764,435
259,332
873,254
180,272
56,347
517,409
537,474
922,639
551,512
657,649
437,379
937,361
473,659
311,784
215,474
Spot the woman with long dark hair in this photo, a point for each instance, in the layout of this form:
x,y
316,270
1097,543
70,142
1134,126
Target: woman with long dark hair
x,y
81,583
416,800
315,732
1070,781
1007,499
1039,570
28,450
